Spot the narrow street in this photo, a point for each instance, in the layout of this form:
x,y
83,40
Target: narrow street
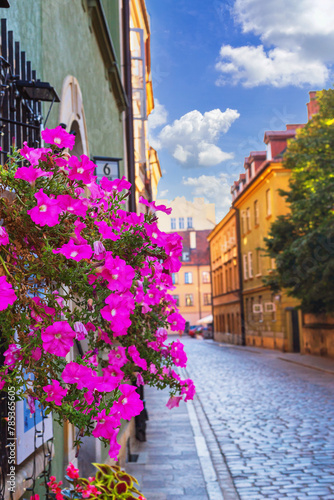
x,y
273,420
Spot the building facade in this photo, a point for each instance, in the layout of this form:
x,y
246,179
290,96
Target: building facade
x,y
193,281
147,166
226,292
269,318
194,222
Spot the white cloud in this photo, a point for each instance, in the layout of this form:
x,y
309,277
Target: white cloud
x,y
297,44
162,194
192,139
158,116
253,66
215,189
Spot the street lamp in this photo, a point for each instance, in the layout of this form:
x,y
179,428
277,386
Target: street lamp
x,y
37,91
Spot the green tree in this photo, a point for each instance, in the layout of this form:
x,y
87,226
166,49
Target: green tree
x,y
302,242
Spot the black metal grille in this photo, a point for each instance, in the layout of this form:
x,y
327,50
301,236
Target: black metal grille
x,y
20,119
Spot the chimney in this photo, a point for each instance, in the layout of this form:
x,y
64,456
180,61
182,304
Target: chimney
x,y
312,106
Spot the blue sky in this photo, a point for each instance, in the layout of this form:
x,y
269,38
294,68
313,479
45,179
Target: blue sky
x,y
223,73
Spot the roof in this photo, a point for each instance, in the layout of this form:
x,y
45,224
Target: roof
x,y
199,255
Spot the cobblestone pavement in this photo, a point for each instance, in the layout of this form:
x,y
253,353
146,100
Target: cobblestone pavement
x,y
273,421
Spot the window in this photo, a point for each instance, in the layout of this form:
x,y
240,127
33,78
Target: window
x,y
207,299
256,213
177,300
189,222
268,202
248,219
189,300
243,221
192,235
188,278
185,256
260,308
181,222
175,278
205,277
173,223
258,262
245,267
250,264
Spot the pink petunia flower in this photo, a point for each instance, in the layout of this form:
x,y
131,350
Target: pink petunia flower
x,y
117,311
58,338
74,206
173,402
115,185
74,373
30,174
99,250
134,354
7,294
36,353
33,155
152,205
106,425
81,170
178,354
188,389
12,355
55,392
80,330
118,273
59,137
139,380
156,236
4,239
117,357
176,321
75,252
129,404
106,231
114,447
47,211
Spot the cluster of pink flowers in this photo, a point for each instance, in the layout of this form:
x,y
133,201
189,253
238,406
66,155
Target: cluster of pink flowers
x,y
135,289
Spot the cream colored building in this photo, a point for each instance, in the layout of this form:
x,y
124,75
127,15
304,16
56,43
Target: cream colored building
x,y
186,215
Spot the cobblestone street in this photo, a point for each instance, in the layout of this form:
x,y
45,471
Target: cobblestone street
x,y
273,420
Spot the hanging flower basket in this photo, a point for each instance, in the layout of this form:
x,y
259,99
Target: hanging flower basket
x,y
79,273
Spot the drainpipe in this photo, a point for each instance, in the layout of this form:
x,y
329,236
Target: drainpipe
x,y
242,311
129,111
199,292
211,286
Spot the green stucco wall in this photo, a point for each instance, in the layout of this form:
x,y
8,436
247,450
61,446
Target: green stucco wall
x,y
57,38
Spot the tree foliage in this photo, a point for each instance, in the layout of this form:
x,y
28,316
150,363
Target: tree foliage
x,y
302,242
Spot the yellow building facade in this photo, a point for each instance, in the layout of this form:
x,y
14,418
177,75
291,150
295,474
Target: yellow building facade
x,y
226,293
271,320
147,166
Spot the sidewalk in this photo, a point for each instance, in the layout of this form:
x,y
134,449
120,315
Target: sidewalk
x,y
315,362
168,467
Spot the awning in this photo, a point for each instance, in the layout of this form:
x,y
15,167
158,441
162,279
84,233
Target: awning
x,y
206,320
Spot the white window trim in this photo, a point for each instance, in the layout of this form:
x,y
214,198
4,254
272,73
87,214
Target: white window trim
x,y
250,264
245,267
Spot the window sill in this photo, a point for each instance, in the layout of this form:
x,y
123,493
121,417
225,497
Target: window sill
x,y
268,216
258,275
